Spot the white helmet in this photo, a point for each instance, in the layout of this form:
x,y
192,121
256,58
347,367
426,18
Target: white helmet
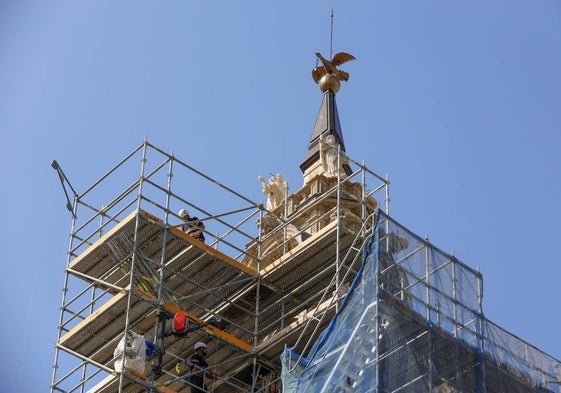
x,y
183,213
199,344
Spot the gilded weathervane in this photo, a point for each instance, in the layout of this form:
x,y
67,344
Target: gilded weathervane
x,y
328,76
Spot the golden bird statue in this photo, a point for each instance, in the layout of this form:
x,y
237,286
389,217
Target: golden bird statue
x,y
330,66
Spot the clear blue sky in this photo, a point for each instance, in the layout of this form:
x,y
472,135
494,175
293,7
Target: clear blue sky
x,y
459,102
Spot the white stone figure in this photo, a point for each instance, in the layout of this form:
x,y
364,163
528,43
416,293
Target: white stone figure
x,y
275,190
328,150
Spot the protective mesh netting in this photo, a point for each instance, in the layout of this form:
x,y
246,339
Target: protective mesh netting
x,y
412,322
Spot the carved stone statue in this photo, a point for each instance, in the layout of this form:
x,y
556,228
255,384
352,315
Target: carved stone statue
x,y
328,151
275,190
330,66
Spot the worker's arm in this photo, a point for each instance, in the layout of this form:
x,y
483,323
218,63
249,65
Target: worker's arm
x,y
208,374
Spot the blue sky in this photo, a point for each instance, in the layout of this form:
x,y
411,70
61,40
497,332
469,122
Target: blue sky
x,y
457,101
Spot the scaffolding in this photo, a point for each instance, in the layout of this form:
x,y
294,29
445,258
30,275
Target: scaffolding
x,y
327,274
412,321
264,278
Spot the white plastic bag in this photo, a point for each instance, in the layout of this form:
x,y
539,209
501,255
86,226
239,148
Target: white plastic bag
x,y
134,347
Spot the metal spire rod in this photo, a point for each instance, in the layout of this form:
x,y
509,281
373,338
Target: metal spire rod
x,y
331,37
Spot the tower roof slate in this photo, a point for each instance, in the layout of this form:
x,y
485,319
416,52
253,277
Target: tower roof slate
x,y
327,122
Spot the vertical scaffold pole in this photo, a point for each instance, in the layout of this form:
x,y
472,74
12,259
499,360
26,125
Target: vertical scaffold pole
x,y
160,321
257,289
387,195
375,254
455,295
65,289
428,313
481,388
430,357
427,278
134,255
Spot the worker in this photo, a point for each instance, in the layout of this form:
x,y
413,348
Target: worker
x,y
193,226
198,377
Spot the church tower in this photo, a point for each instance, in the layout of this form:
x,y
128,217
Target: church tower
x,y
319,290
